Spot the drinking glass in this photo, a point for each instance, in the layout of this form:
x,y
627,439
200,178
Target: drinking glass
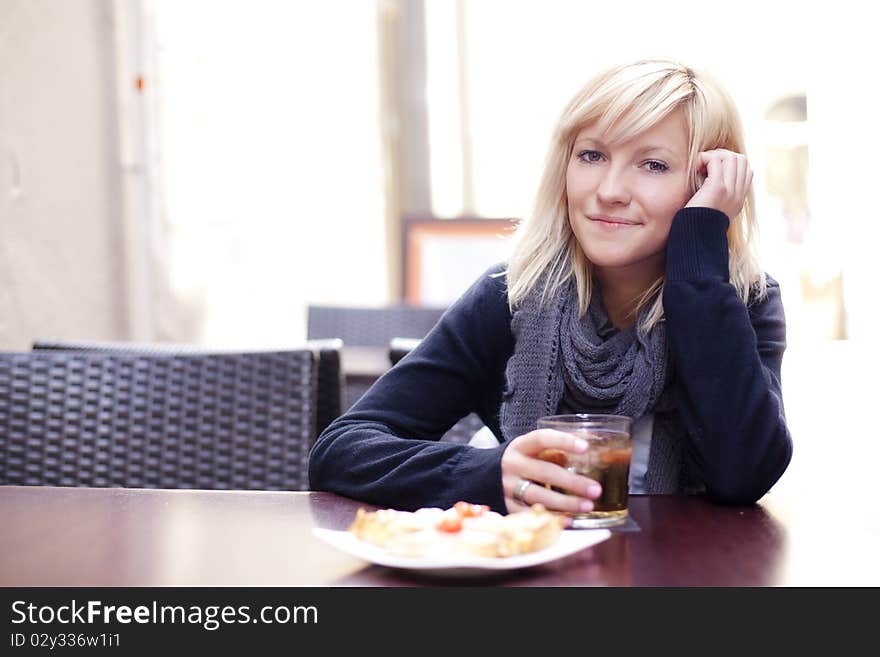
x,y
607,461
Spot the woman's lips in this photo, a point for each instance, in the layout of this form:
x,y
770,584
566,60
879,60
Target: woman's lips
x,y
612,222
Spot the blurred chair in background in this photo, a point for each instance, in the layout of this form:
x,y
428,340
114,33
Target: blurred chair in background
x,y
365,333
112,418
470,429
371,327
400,347
380,330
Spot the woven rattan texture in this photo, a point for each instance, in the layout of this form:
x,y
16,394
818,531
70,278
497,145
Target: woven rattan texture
x,y
466,427
330,388
237,421
371,327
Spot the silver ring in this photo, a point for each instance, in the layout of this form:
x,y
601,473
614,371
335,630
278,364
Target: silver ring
x,y
520,490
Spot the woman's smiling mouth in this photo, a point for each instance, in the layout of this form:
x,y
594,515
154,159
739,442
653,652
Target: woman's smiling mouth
x,y
612,222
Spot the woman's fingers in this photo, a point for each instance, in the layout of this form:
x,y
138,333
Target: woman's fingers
x,y
558,477
727,182
534,441
729,166
520,463
539,493
721,171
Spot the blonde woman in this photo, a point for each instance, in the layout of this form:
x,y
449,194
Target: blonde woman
x,y
633,290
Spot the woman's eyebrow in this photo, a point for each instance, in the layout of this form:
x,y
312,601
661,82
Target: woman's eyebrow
x,y
651,149
596,142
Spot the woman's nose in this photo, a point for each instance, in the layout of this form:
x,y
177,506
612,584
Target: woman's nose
x,y
614,188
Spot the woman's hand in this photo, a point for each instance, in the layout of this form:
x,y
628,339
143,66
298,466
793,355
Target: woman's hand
x,y
520,463
728,178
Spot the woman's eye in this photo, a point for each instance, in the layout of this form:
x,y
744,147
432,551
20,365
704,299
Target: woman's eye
x,y
655,166
590,156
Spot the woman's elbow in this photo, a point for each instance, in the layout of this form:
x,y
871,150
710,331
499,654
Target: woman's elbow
x,y
317,461
736,496
744,490
315,470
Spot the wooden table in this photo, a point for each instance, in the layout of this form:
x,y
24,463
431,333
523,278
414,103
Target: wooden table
x,y
125,537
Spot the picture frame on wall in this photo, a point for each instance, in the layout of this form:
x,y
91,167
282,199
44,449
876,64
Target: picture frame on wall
x,y
443,257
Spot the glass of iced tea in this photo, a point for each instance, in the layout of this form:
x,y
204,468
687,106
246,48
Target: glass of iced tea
x,y
607,459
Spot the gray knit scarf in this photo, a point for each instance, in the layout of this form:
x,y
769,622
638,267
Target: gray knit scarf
x,y
564,363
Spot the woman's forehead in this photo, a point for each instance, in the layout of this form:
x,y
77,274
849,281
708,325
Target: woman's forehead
x,y
670,133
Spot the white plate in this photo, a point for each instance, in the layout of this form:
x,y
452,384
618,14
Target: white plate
x,y
569,542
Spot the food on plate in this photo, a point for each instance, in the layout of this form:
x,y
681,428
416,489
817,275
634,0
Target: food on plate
x,y
465,530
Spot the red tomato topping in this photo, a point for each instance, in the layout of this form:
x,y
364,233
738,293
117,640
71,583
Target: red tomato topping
x,y
466,510
451,522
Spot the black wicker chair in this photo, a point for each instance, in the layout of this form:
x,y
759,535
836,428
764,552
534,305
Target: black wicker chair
x,y
368,327
112,419
466,427
330,384
371,327
396,328
400,347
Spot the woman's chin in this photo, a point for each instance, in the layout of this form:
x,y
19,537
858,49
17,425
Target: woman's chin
x,y
609,261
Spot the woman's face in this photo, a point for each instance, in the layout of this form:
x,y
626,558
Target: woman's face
x,y
622,197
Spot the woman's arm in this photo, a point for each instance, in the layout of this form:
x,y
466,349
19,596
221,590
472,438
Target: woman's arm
x,y
727,359
385,449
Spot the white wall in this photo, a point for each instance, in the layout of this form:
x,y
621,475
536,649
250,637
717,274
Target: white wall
x,y
272,168
265,169
61,269
843,100
527,58
270,155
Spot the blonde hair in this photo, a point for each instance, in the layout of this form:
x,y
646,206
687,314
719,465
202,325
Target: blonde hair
x,y
628,100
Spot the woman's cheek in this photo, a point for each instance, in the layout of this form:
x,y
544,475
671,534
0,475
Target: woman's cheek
x,y
665,209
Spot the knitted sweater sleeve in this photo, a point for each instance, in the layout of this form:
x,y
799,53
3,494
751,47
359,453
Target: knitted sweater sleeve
x,y
727,358
386,449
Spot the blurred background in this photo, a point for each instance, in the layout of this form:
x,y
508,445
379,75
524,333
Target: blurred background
x,y
203,171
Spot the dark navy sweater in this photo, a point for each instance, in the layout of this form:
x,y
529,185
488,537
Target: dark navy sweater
x,y
727,358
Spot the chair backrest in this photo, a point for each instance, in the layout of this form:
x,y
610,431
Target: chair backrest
x,y
330,383
400,347
465,429
371,327
160,420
